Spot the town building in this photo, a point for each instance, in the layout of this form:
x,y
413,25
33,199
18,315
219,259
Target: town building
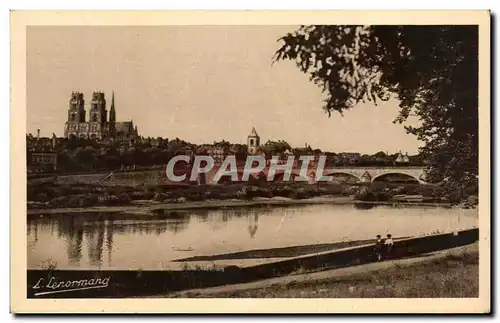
x,y
42,143
41,153
98,126
218,154
402,159
41,162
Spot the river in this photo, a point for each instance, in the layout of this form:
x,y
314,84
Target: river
x,y
111,241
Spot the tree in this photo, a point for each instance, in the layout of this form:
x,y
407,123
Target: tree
x,y
380,154
431,70
276,147
222,144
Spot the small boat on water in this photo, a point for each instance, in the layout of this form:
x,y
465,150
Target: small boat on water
x,y
179,249
409,198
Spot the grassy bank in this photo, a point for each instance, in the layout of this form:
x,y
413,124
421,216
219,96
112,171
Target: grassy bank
x,y
51,195
454,275
178,210
126,283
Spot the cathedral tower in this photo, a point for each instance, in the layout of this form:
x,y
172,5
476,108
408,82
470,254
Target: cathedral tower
x,y
98,115
76,114
97,127
76,107
98,112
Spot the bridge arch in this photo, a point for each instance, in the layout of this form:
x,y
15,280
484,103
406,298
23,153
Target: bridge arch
x,y
348,175
409,177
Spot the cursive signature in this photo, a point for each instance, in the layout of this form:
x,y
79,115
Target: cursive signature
x,y
53,285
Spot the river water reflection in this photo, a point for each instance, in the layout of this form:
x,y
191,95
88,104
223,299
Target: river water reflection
x,y
133,242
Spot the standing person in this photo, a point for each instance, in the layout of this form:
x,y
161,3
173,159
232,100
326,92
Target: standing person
x,y
389,243
379,247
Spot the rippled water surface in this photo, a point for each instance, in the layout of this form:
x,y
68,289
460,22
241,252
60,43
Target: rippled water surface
x,y
134,242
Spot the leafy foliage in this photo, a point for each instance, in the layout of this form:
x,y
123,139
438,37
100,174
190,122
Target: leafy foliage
x,y
276,147
431,70
86,155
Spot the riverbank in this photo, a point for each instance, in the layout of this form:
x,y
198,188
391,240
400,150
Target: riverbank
x,y
77,196
155,208
448,273
126,283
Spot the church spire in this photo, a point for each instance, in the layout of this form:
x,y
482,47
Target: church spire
x,y
253,133
253,142
112,112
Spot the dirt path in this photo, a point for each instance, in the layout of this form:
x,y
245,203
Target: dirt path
x,y
320,276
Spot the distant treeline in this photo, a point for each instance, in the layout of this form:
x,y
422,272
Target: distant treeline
x,y
77,155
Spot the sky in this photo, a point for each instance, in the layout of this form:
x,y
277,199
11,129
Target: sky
x,y
197,83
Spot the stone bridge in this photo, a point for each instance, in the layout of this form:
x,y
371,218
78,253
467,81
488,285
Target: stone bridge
x,y
370,174
362,174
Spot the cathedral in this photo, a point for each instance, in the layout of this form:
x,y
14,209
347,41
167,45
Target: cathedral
x,y
98,126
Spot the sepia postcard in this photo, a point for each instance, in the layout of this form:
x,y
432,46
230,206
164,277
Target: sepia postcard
x,y
250,162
